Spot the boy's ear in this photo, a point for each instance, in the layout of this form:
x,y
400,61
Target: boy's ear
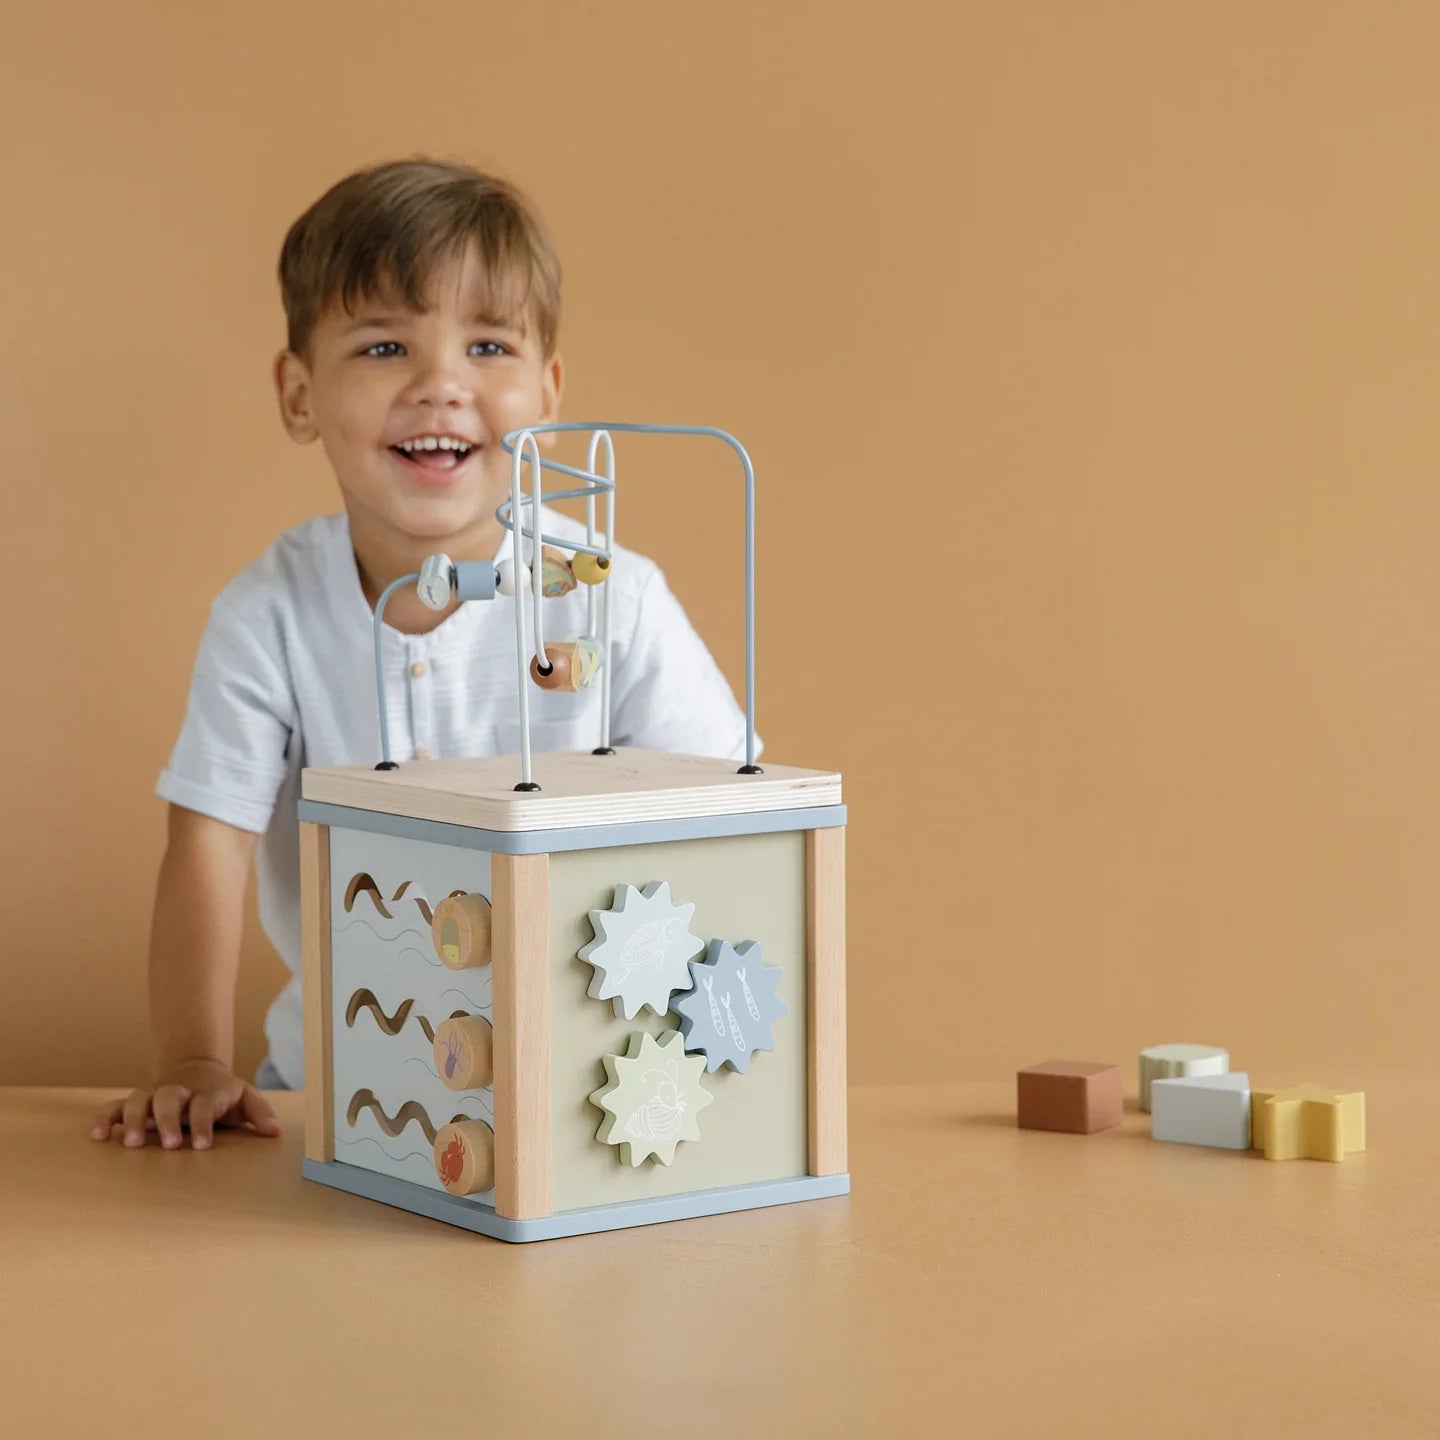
x,y
292,392
552,388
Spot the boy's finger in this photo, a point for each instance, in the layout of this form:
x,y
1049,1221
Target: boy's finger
x,y
255,1108
169,1101
107,1120
137,1107
202,1120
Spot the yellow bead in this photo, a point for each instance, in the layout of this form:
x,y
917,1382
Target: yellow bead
x,y
590,569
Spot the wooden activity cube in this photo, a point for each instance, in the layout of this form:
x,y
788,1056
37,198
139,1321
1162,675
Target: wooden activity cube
x,y
396,944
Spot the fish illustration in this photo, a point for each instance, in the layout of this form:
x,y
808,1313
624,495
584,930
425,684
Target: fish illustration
x,y
750,1004
736,1034
715,1019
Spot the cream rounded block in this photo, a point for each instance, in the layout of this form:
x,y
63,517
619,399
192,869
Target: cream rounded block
x,y
465,1052
465,1157
1171,1062
460,931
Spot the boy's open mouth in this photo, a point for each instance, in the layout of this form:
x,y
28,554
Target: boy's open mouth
x,y
434,455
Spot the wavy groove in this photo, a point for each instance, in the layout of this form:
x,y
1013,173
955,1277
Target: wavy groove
x,y
364,884
391,1024
410,1110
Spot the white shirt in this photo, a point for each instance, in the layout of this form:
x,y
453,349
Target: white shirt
x,y
285,678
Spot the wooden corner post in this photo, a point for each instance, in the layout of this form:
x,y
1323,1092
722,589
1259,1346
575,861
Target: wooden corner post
x,y
825,997
317,986
520,1015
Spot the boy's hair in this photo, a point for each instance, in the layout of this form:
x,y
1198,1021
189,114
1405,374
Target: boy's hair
x,y
384,229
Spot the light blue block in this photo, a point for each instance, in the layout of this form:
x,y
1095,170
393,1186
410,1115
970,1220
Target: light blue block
x,y
1202,1110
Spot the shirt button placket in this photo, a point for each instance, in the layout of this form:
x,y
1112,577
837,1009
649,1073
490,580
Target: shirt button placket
x,y
422,707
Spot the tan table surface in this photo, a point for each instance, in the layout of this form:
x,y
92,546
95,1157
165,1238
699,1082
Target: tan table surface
x,y
980,1281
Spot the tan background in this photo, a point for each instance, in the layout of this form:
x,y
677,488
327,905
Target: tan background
x,y
1111,328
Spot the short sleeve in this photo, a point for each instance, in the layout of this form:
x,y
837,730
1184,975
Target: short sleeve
x,y
667,691
233,751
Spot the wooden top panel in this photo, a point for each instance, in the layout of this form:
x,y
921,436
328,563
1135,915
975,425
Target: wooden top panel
x,y
577,788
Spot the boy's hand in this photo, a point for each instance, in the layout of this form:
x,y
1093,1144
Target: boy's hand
x,y
204,1092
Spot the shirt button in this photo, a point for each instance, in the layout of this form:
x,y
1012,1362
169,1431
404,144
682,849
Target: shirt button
x,y
425,753
419,668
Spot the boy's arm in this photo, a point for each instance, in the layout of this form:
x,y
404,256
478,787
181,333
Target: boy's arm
x,y
194,959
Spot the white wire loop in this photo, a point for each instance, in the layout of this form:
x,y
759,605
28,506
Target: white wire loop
x,y
512,517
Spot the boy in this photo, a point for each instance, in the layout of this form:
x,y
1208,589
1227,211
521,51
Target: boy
x,y
422,300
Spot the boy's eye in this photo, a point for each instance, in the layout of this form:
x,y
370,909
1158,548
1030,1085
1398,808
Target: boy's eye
x,y
379,347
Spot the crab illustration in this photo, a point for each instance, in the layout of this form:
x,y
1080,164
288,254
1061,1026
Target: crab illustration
x,y
452,1161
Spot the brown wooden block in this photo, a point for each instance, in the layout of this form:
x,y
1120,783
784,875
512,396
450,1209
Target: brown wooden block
x,y
1078,1096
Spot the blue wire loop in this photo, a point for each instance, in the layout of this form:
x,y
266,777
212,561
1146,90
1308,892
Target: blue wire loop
x,y
513,443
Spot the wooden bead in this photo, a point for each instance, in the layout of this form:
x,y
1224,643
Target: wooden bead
x,y
556,576
573,664
590,569
465,1157
505,573
460,931
562,673
465,1052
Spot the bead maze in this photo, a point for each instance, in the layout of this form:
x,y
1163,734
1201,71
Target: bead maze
x,y
551,993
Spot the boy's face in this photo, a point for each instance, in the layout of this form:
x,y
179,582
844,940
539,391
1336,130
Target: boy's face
x,y
386,375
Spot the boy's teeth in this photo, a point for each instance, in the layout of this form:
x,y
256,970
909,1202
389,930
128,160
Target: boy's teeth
x,y
432,442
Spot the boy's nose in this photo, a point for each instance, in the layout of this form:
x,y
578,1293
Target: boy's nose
x,y
437,385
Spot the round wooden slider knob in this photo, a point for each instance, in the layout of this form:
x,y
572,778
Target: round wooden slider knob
x,y
590,569
460,931
465,1157
465,1052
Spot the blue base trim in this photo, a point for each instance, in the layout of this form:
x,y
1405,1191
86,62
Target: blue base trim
x,y
586,837
469,1215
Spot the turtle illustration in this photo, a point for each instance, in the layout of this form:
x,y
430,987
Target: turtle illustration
x,y
645,949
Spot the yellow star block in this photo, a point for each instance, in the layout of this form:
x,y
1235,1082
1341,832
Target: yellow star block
x,y
1307,1122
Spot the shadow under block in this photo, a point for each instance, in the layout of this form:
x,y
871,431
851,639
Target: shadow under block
x,y
774,874
1307,1122
1170,1062
1209,1110
1077,1096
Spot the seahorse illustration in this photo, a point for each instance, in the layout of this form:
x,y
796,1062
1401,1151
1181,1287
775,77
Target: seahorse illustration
x,y
735,1032
750,1004
714,1008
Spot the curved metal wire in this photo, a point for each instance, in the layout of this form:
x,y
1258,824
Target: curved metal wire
x,y
386,763
510,516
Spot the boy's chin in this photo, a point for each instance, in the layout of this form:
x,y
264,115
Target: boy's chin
x,y
430,520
